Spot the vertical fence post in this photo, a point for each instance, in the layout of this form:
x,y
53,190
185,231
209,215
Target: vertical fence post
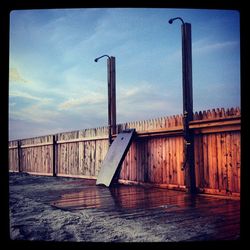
x,y
19,155
54,154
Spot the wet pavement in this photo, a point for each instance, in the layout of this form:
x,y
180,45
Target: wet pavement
x,y
81,211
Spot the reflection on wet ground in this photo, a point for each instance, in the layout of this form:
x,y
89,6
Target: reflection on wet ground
x,y
122,197
168,206
171,215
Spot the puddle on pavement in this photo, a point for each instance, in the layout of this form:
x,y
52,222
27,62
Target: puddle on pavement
x,y
120,196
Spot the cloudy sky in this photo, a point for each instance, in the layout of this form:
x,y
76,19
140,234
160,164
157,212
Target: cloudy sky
x,y
55,85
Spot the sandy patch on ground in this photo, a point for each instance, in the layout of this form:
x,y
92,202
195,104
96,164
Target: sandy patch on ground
x,y
33,218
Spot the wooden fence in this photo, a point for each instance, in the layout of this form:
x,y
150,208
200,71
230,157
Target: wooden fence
x,y
155,156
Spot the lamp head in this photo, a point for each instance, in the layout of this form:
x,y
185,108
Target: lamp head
x,y
173,19
96,60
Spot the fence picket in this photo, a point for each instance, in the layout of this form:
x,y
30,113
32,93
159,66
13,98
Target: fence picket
x,y
152,157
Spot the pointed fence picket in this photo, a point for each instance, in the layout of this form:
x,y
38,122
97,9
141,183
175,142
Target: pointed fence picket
x,y
155,156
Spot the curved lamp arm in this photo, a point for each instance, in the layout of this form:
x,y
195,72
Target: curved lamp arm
x,y
173,19
96,60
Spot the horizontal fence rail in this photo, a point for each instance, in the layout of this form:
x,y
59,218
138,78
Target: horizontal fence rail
x,y
155,156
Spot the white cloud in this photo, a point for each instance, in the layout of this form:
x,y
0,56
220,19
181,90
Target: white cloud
x,y
66,88
36,113
145,101
20,129
29,96
23,95
35,108
79,102
203,46
12,104
15,76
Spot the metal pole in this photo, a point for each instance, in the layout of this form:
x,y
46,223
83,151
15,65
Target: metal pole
x,y
187,71
113,96
109,99
188,106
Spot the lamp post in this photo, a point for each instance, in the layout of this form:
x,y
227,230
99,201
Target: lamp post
x,y
111,95
187,103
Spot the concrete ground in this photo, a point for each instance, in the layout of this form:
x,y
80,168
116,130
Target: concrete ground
x,y
44,208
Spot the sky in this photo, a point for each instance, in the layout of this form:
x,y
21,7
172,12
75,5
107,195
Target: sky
x,y
55,85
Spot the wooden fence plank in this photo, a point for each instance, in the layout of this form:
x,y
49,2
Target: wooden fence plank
x,y
98,159
178,161
150,161
160,159
133,161
139,162
164,162
219,161
234,164
154,160
214,160
168,163
238,159
174,161
155,156
224,174
229,163
171,161
210,160
205,161
66,158
197,161
181,152
145,155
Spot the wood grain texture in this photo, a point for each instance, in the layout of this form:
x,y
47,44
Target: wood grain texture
x,y
155,156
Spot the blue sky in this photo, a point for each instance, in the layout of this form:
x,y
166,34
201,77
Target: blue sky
x,y
55,85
